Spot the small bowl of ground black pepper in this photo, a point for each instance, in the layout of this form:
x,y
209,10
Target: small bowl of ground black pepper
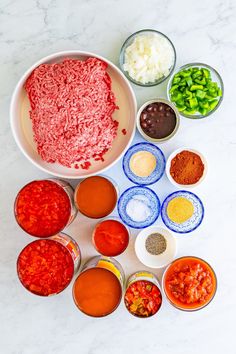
x,y
186,168
158,120
155,247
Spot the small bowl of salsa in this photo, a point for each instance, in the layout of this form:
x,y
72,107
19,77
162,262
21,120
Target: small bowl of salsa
x,y
158,120
143,296
110,237
189,283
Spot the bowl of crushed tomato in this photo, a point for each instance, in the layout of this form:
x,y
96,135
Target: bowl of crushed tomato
x,y
45,267
143,298
44,208
189,283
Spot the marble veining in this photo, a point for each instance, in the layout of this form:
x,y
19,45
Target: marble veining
x,y
201,31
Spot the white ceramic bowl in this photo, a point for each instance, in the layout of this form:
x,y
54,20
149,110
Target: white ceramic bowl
x,y
158,261
126,116
168,164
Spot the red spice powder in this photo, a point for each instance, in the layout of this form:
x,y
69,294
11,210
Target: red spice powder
x,y
186,167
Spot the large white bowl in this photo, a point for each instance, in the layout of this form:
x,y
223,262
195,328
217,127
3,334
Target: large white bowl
x,y
126,116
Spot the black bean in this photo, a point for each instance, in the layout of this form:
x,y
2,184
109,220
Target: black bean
x,y
144,125
149,108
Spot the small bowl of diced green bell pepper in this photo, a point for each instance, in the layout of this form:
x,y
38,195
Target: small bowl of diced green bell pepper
x,y
196,89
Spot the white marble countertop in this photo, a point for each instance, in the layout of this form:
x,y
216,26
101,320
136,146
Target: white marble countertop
x,y
201,31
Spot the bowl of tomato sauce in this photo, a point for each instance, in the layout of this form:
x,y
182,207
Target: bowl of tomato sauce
x,y
189,283
97,291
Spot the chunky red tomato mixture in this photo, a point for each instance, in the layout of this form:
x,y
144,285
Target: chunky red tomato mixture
x,y
45,267
143,298
42,208
190,282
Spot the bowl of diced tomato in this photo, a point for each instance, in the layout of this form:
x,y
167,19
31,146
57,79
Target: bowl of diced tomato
x,y
143,298
189,283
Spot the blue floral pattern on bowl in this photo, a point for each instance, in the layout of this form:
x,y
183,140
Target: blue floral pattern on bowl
x,y
155,175
153,204
192,223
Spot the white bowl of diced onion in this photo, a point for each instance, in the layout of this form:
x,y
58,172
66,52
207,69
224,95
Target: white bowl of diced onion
x,y
147,57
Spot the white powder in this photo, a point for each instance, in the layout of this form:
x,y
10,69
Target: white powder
x,y
149,58
138,208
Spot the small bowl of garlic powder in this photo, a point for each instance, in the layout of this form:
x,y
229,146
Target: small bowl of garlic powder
x,y
144,163
155,247
147,57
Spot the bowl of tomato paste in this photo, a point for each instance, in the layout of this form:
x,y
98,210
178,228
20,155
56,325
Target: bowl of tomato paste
x,y
143,296
189,283
44,208
46,267
110,237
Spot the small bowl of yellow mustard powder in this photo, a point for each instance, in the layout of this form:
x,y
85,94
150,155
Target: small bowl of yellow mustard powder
x,y
144,163
182,211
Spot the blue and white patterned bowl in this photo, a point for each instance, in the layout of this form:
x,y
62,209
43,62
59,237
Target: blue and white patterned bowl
x,y
160,163
192,223
153,204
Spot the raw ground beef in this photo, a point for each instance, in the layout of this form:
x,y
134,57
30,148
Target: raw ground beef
x,y
71,110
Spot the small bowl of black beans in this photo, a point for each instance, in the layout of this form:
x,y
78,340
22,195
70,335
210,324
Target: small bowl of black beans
x,y
158,120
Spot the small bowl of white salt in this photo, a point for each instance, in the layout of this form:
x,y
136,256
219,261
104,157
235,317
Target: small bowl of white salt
x,y
139,207
147,57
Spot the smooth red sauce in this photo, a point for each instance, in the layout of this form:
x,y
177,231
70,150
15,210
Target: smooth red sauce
x,y
96,197
42,208
110,238
190,283
97,292
45,267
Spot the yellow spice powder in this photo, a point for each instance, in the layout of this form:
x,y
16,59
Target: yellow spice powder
x,y
180,210
142,163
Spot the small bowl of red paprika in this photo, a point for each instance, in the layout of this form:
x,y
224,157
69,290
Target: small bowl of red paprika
x,y
186,168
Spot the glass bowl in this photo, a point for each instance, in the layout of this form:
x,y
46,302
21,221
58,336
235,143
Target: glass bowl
x,y
129,41
153,204
158,171
215,78
191,224
182,308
